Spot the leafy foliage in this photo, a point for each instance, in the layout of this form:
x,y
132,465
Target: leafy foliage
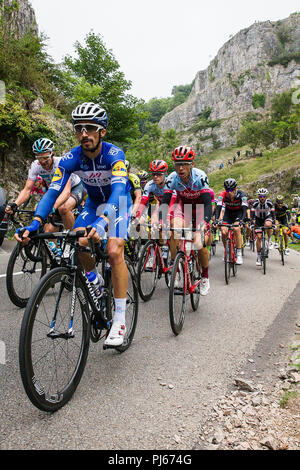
x,y
96,76
153,144
258,101
279,127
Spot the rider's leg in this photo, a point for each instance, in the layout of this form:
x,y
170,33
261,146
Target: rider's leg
x,y
65,211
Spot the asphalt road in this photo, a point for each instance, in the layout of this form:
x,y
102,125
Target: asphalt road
x,y
121,402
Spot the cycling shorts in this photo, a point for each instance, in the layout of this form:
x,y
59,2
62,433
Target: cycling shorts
x,y
190,213
78,193
118,226
283,221
260,223
231,216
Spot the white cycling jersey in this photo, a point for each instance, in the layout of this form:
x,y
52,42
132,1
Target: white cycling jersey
x,y
36,170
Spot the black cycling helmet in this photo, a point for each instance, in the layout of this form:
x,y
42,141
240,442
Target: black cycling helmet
x,y
230,183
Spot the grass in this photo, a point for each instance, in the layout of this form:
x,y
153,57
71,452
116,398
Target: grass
x,y
289,395
251,169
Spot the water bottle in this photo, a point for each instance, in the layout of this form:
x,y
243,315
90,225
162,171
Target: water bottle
x,y
95,282
56,251
190,265
165,251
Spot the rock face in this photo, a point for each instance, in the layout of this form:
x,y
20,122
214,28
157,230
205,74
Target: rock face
x,y
24,18
241,69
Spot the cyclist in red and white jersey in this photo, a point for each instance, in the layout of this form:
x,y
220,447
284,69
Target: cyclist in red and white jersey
x,y
193,207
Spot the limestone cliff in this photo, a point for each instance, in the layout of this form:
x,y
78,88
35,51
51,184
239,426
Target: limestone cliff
x,y
23,18
249,63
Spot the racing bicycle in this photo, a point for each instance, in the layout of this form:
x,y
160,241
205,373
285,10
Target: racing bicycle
x,y
61,317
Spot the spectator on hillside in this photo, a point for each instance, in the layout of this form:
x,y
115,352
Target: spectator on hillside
x,y
221,166
238,154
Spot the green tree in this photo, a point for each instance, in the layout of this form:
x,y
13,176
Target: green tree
x,y
250,134
98,67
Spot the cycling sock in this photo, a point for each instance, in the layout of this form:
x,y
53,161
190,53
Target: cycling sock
x,y
239,251
120,310
204,272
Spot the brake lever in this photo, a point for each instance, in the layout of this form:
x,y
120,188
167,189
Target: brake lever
x,y
91,242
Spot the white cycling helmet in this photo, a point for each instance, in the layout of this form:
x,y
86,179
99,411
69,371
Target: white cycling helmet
x,y
262,192
43,145
90,112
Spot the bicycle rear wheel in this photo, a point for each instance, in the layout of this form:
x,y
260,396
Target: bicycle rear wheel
x,y
177,294
147,271
23,273
227,260
51,366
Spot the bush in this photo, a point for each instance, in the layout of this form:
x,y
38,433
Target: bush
x,y
258,101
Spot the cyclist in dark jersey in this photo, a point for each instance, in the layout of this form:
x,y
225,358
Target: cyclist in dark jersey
x,y
234,201
283,217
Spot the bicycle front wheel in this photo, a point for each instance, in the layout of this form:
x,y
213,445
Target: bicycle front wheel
x,y
132,307
51,364
195,277
227,260
23,273
281,250
177,294
264,255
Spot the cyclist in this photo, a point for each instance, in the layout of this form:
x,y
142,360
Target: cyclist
x,y
263,213
234,201
45,167
135,190
248,230
143,176
101,167
283,217
193,195
154,189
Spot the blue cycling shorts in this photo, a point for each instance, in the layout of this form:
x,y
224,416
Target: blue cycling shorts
x,y
118,226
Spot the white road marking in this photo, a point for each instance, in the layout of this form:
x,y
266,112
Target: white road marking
x,y
18,274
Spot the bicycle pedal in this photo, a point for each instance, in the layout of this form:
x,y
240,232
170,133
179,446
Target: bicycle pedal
x,y
108,346
178,291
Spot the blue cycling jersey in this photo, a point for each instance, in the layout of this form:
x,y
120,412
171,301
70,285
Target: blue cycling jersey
x,y
104,178
192,190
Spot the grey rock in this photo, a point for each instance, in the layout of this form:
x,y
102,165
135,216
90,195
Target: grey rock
x,y
239,70
244,385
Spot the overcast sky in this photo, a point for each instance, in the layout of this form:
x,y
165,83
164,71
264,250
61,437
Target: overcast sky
x,y
158,43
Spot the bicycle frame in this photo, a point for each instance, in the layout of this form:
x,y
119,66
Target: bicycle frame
x,y
88,296
230,236
191,288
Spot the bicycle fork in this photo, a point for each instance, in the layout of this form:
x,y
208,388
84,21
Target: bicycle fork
x,y
69,334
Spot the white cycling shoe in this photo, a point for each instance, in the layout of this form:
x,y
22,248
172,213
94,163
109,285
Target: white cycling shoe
x,y
204,286
116,335
239,259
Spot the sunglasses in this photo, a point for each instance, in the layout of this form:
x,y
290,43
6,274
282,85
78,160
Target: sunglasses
x,y
88,128
158,174
262,197
44,157
230,190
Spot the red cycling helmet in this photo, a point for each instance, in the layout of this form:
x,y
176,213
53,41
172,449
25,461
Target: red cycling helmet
x,y
183,154
158,166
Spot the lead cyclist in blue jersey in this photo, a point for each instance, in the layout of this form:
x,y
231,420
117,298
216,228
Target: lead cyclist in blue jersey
x,y
101,167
